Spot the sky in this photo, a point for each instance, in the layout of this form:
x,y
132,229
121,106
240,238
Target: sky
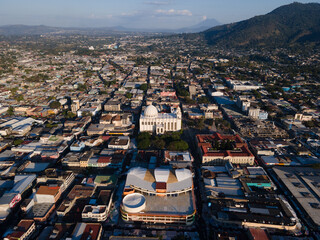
x,y
148,14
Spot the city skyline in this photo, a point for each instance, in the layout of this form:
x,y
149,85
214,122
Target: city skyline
x,y
149,14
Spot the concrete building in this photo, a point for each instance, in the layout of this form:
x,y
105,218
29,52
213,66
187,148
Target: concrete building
x,y
219,149
94,213
192,91
159,196
239,85
304,186
178,159
122,142
152,121
254,112
46,194
23,231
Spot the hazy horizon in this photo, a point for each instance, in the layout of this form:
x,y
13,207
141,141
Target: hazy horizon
x,y
148,14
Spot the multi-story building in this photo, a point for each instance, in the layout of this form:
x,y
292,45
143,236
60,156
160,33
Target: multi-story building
x,y
94,213
77,192
24,230
159,196
219,149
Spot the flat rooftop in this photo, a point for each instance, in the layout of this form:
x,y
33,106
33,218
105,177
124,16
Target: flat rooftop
x,y
179,205
39,210
304,184
35,167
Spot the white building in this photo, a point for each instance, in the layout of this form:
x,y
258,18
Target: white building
x,y
239,85
95,213
253,112
152,121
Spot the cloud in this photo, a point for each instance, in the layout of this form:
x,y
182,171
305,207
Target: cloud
x,y
130,14
93,16
204,17
156,3
173,12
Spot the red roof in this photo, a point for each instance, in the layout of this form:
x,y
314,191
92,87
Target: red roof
x,y
105,138
104,159
161,185
205,143
258,234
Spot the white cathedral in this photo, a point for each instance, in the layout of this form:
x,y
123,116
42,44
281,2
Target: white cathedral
x,y
159,123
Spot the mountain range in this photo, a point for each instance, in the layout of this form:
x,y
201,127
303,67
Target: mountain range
x,y
9,30
287,25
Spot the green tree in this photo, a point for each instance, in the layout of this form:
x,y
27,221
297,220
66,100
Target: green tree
x,y
203,100
144,135
256,94
178,146
143,87
14,90
309,124
144,140
55,104
200,123
19,98
82,87
71,114
10,111
17,142
128,95
158,143
144,143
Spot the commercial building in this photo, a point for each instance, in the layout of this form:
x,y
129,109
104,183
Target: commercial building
x,y
10,199
159,196
304,185
159,123
247,199
18,126
239,85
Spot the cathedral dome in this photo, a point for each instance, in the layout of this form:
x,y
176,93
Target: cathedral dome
x,y
151,112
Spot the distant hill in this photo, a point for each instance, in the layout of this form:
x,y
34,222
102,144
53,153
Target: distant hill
x,y
26,30
204,25
10,30
287,25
